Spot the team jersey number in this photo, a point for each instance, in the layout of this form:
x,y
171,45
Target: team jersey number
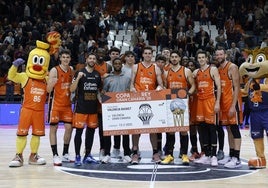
x,y
37,98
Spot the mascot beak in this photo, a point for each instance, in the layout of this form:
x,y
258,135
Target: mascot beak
x,y
37,68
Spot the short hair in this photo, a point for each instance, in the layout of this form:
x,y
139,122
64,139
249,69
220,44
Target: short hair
x,y
201,52
165,48
175,52
117,58
160,57
90,53
221,48
64,51
127,53
147,48
185,57
114,49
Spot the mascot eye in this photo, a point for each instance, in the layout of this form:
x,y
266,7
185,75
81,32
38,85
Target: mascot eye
x,y
35,59
249,59
260,58
42,61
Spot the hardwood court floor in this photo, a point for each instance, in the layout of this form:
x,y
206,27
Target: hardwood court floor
x,y
48,176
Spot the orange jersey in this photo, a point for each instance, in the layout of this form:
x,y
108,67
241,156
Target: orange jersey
x,y
145,79
35,94
205,97
60,95
103,68
205,84
227,90
167,67
177,80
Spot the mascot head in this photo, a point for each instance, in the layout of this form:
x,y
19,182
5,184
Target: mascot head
x,y
256,64
39,57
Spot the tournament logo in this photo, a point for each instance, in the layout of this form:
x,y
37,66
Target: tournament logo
x,y
145,113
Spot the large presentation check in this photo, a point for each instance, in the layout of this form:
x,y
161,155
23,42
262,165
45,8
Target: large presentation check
x,y
145,112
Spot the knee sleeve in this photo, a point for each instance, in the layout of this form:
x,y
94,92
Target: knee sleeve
x,y
235,131
213,134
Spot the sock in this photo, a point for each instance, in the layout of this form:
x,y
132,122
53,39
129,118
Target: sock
x,y
65,149
231,154
21,144
35,142
54,150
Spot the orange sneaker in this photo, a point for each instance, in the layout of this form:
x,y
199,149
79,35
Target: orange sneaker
x,y
257,163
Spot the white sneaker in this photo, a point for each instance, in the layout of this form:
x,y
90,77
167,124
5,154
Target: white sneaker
x,y
35,159
106,159
57,160
224,161
127,158
233,163
214,161
203,160
66,158
101,154
115,153
17,161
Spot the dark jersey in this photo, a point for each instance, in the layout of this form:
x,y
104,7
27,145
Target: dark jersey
x,y
86,92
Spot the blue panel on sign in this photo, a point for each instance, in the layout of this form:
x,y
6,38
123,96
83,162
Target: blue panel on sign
x,y
9,114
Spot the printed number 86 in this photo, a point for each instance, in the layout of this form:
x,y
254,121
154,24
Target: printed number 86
x,y
37,98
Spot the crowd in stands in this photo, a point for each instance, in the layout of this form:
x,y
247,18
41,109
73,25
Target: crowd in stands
x,y
166,24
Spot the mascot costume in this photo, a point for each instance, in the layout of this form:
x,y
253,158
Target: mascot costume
x,y
34,82
256,88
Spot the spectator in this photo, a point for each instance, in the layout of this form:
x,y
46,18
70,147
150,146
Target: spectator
x,y
190,41
220,18
19,39
202,40
181,19
102,41
211,47
257,31
163,39
221,39
204,15
9,39
91,44
5,63
250,18
20,53
9,89
235,53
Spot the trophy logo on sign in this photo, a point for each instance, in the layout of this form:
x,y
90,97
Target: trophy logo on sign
x,y
178,107
145,113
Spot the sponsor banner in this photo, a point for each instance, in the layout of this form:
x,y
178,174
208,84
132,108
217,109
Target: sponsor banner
x,y
145,112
